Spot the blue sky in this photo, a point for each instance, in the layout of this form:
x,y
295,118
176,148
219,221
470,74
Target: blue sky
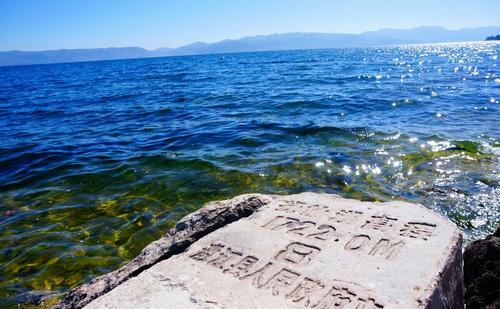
x,y
54,24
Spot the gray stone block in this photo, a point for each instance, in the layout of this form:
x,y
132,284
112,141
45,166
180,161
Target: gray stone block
x,y
300,251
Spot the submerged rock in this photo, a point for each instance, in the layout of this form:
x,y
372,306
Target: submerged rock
x,y
300,251
482,273
493,38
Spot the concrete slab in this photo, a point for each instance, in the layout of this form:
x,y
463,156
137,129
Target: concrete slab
x,y
308,251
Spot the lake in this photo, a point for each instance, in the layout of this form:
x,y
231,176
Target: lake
x,y
97,159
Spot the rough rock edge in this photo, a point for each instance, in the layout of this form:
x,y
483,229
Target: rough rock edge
x,y
482,272
189,229
448,287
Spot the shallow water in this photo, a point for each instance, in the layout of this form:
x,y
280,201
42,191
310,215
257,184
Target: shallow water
x,y
98,159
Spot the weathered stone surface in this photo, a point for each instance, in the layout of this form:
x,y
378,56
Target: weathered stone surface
x,y
482,273
151,290
300,251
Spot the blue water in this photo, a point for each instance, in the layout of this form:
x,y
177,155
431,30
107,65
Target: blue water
x,y
97,159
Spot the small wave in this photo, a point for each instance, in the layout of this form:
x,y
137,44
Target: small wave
x,y
304,104
119,97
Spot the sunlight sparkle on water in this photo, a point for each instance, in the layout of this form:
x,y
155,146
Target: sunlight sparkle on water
x,y
439,146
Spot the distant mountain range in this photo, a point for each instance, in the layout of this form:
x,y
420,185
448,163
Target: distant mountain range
x,y
286,41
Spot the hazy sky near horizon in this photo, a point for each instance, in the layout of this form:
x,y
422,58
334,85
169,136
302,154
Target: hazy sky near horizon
x,y
55,24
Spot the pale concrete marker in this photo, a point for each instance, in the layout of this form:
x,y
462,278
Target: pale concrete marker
x,y
309,251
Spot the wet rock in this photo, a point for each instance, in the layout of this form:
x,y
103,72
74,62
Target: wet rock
x,y
482,273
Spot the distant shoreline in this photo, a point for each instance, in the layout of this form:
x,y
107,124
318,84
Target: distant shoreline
x,y
244,52
260,43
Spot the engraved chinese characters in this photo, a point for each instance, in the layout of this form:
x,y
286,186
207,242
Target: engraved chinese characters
x,y
308,228
304,231
321,252
370,243
290,284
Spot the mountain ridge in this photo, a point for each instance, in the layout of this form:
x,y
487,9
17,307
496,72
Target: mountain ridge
x,y
271,42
